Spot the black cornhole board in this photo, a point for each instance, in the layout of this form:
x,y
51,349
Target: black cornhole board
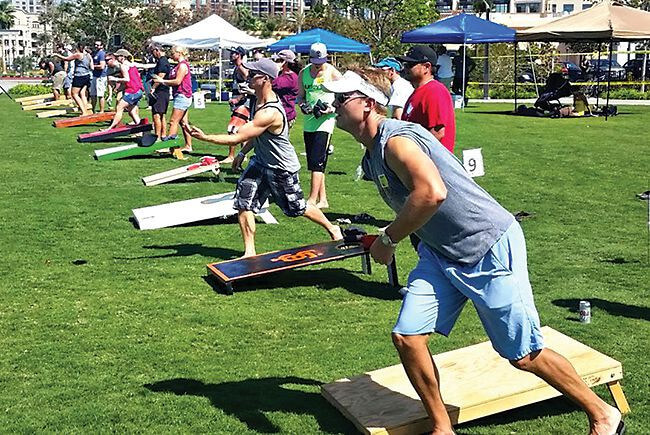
x,y
230,271
98,136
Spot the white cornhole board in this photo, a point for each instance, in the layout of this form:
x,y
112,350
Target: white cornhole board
x,y
199,100
473,162
177,174
192,210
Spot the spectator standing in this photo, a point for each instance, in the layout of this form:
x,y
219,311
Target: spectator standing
x,y
318,125
286,85
56,73
100,79
430,105
445,72
159,95
83,66
240,103
400,88
459,85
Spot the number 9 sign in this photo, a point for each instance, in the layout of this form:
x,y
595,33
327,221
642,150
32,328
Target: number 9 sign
x,y
473,162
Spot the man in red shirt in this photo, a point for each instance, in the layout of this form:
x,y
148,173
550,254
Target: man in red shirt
x,y
430,105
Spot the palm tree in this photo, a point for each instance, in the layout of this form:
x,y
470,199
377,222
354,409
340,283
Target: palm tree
x,y
6,15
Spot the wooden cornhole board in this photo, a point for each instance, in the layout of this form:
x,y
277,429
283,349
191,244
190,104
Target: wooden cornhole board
x,y
180,173
48,104
475,382
57,112
84,120
143,146
120,130
23,100
192,210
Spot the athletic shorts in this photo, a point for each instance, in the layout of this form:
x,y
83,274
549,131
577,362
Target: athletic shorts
x,y
81,81
98,86
181,102
316,143
132,99
159,102
67,82
257,183
497,285
57,81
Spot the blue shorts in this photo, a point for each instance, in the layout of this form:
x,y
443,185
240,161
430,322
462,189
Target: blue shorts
x,y
497,285
132,99
181,102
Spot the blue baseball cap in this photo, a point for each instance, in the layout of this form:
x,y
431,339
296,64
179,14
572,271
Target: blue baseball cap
x,y
389,62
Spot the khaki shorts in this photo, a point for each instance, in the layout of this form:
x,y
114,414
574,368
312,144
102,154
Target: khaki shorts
x,y
57,81
98,86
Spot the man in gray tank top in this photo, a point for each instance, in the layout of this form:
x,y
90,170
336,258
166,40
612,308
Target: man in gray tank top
x,y
273,170
471,248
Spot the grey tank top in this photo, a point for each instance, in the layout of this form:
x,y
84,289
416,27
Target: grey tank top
x,y
82,67
274,150
467,223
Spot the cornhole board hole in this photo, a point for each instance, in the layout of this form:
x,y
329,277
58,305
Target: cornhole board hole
x,y
49,104
192,210
230,271
57,112
144,146
22,100
205,165
84,120
475,382
125,130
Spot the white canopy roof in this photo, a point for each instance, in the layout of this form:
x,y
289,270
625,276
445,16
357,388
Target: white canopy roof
x,y
212,33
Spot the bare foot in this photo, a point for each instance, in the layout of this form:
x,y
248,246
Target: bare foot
x,y
323,205
248,254
608,425
335,233
227,161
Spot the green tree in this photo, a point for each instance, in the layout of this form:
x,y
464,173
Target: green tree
x,y
244,18
6,15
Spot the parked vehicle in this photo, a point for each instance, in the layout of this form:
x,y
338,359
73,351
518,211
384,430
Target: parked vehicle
x,y
600,69
633,68
572,71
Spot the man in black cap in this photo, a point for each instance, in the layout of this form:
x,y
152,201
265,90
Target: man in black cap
x,y
430,105
273,170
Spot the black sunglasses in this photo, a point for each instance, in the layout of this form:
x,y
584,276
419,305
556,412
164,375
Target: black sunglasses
x,y
341,99
410,65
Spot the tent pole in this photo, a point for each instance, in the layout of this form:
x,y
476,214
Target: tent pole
x,y
515,51
532,69
609,78
220,72
464,69
598,77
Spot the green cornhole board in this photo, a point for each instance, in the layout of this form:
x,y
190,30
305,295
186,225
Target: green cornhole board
x,y
143,147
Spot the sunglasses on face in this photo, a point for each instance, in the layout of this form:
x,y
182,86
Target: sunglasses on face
x,y
409,65
341,99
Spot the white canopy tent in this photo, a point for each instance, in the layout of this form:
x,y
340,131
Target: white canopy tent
x,y
212,33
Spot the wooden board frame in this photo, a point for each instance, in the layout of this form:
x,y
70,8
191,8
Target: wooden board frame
x,y
126,130
84,120
180,173
50,104
134,149
475,383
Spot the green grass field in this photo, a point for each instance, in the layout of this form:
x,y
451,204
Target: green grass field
x,y
136,340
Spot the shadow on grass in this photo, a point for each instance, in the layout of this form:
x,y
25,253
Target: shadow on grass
x,y
379,223
323,279
248,400
188,250
536,411
613,308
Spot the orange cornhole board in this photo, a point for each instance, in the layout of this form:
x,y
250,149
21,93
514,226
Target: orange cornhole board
x,y
475,382
83,120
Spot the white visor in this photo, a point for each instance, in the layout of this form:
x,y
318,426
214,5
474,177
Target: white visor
x,y
351,82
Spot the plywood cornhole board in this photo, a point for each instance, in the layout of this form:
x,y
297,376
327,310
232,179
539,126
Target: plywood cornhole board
x,y
475,382
57,112
119,131
144,146
206,165
84,120
192,210
23,100
48,104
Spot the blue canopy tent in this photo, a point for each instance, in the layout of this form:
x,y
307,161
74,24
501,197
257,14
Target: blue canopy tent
x,y
461,29
336,43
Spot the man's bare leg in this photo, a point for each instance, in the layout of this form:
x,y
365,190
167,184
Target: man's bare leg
x,y
231,155
247,226
423,374
314,214
322,195
158,125
558,372
316,183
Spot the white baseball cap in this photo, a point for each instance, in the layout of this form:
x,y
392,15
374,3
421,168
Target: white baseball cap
x,y
351,82
318,53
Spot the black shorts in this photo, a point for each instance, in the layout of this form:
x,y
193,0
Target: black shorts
x,y
159,102
81,81
257,183
316,144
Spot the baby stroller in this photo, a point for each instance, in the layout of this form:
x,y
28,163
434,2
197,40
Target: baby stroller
x,y
556,87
